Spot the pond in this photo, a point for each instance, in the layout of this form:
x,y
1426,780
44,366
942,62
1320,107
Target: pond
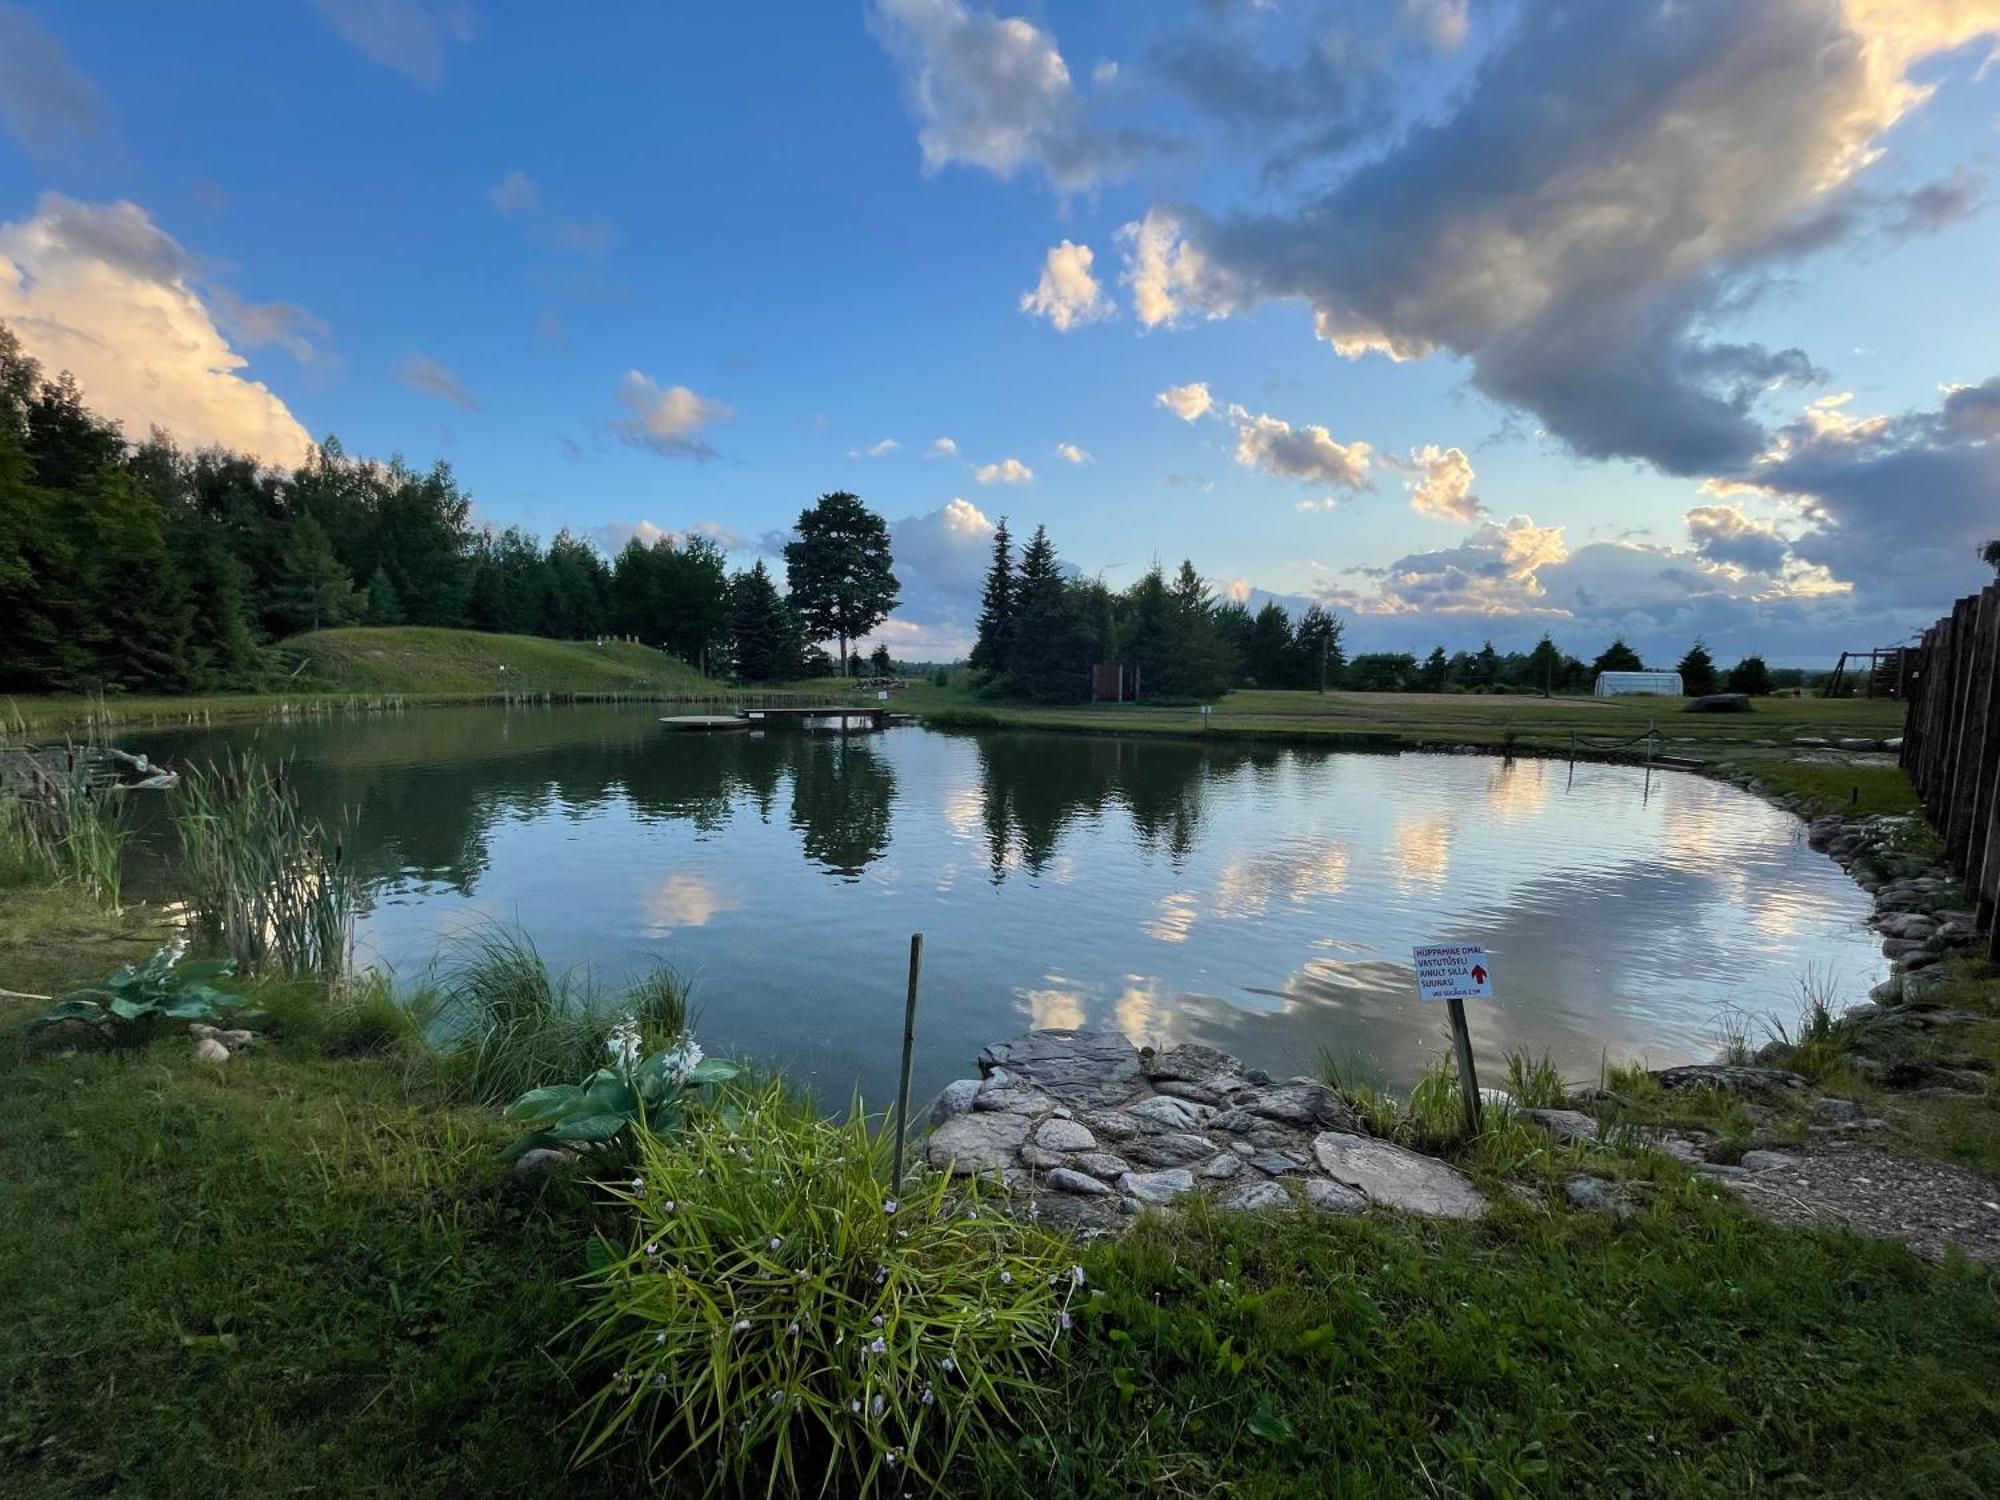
x,y
1261,899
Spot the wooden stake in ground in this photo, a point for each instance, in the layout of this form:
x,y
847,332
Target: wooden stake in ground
x,y
909,1047
1468,1080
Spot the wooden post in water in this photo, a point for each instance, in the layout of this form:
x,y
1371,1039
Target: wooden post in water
x,y
1468,1080
909,1046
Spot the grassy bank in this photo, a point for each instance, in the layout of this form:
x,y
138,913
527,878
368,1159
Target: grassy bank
x,y
1760,746
364,669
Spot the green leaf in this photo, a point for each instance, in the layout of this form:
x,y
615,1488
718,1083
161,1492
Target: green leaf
x,y
206,968
131,1010
534,1140
713,1070
615,1097
1268,1423
589,1127
188,1008
545,1103
73,1009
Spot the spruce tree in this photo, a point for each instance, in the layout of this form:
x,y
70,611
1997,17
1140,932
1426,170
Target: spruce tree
x,y
1050,661
763,636
1617,657
384,606
314,592
994,642
1697,671
141,618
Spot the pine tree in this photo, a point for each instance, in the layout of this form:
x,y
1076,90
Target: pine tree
x,y
223,649
1617,657
1751,676
384,607
142,620
1317,646
1697,671
1435,672
994,641
762,633
1544,665
1050,661
314,592
1268,659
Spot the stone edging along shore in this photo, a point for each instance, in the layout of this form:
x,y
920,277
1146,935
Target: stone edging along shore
x,y
1087,1129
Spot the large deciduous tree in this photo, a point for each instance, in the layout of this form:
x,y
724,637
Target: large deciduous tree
x,y
839,570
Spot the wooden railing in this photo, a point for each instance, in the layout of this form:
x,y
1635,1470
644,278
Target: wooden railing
x,y
1951,743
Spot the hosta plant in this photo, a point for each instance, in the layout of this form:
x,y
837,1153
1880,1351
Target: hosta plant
x,y
165,987
779,1320
655,1091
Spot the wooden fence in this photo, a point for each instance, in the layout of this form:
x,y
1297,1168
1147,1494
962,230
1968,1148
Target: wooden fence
x,y
1951,744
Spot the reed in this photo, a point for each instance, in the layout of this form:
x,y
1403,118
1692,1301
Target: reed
x,y
62,826
266,884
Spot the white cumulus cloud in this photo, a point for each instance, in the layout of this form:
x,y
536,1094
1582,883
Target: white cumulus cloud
x,y
1309,453
1188,402
1067,294
1007,471
1443,488
1070,453
667,421
103,292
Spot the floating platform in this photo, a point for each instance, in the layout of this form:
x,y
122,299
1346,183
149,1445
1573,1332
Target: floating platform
x,y
874,717
706,723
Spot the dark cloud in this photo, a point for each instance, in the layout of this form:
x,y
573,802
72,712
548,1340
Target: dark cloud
x,y
1723,534
45,104
1612,176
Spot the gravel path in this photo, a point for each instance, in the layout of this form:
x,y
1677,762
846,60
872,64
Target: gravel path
x,y
1930,1204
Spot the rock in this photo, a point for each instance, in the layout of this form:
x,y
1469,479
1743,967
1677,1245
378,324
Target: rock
x,y
1222,1168
1592,1193
1232,1122
1305,1103
1727,1076
1174,1148
1913,962
208,1050
1064,1135
1157,1187
1164,1113
1808,739
1065,1180
541,1161
1922,983
1905,924
1565,1124
1084,1069
1039,1156
954,1099
1258,1197
1398,1178
1888,992
1680,1148
1192,1065
1333,1197
1179,1089
1837,1110
1766,1161
983,1141
1858,744
1900,947
1720,703
1279,1163
1111,1124
1861,1010
1102,1164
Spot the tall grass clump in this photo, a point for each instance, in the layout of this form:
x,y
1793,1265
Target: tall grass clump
x,y
62,826
1815,1044
1533,1082
269,886
781,1320
507,1023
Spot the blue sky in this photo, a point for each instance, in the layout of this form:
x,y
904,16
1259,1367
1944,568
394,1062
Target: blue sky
x,y
684,267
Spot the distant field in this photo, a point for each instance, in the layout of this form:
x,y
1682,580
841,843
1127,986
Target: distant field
x,y
1442,717
362,666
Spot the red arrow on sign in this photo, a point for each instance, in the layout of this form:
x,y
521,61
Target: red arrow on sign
x,y
1478,974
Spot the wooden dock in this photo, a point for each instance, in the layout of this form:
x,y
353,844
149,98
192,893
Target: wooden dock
x,y
845,716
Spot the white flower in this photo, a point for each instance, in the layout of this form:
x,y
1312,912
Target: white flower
x,y
638,1184
894,1456
652,1249
948,1365
624,1043
878,1320
876,1345
678,1062
670,1206
742,1325
793,1330
1066,1322
659,1338
855,1407
929,1397
889,1206
776,1242
1006,1278
877,1406
1076,1275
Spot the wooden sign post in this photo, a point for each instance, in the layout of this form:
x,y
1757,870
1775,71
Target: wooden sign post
x,y
1456,973
909,1046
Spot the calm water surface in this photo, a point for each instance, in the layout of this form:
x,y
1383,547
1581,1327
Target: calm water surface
x,y
1263,900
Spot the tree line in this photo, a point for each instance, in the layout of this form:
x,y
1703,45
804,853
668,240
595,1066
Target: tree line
x,y
146,567
1042,627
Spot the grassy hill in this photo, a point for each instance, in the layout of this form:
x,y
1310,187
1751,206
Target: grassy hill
x,y
413,659
370,667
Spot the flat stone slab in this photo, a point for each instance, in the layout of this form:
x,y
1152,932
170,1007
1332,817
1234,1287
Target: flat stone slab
x,y
1157,1187
1565,1124
977,1142
1396,1177
1066,1180
1727,1076
1083,1069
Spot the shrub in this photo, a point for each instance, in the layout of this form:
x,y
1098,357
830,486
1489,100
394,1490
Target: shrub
x,y
779,1322
647,1092
139,996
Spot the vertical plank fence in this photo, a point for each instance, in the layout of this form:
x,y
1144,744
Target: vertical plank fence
x,y
1951,744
